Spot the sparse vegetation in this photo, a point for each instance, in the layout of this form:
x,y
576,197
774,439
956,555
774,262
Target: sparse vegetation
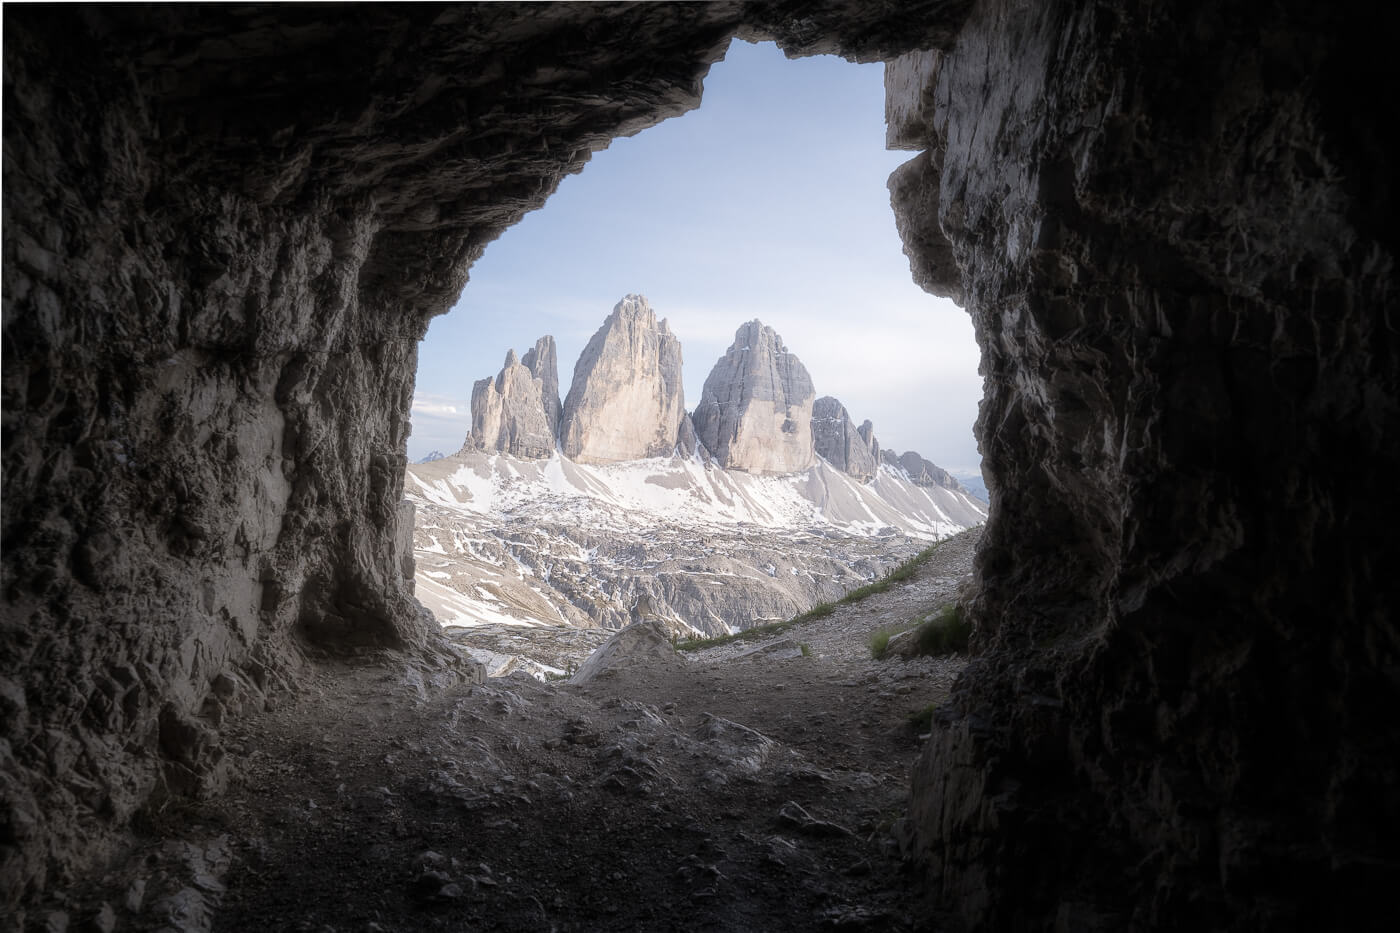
x,y
806,649
921,720
947,632
758,632
904,571
880,639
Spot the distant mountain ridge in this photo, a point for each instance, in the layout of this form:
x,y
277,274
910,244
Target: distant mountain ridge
x,y
760,503
758,412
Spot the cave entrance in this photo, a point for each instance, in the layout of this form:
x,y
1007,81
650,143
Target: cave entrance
x,y
767,202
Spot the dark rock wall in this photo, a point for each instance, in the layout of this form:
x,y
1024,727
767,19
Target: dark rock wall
x,y
225,229
1169,223
224,233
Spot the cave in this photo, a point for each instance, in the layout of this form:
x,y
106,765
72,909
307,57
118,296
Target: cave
x,y
226,228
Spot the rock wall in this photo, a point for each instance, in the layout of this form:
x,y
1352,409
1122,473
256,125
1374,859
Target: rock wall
x,y
225,229
518,411
626,401
1168,224
836,439
755,411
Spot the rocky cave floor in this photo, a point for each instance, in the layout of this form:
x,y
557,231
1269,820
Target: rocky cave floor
x,y
725,789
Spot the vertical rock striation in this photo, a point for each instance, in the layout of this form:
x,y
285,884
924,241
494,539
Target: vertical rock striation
x,y
867,436
626,401
518,411
755,411
839,442
1173,228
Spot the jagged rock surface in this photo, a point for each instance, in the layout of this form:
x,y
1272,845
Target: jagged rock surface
x,y
626,401
921,472
225,227
518,411
755,411
1176,718
500,541
840,442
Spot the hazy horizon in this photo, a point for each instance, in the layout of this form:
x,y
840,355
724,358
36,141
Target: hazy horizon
x,y
767,202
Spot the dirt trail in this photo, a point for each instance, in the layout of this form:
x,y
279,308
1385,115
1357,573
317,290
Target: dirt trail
x,y
716,792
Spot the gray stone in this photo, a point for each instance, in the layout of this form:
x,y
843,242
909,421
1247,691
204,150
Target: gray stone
x,y
755,411
626,401
921,472
518,411
840,442
646,642
227,226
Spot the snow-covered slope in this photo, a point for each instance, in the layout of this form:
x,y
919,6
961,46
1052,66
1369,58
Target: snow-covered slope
x,y
529,542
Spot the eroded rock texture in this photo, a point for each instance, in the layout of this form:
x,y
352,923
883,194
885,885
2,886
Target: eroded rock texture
x,y
921,472
518,411
836,438
626,401
226,227
1169,225
755,411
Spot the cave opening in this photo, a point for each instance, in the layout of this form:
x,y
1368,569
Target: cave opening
x,y
225,229
768,201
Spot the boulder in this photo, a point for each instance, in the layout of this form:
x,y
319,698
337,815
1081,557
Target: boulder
x,y
641,643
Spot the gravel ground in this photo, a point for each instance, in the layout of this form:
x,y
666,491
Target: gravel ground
x,y
748,786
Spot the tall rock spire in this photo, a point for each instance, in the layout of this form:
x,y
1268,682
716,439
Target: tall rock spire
x,y
838,441
626,401
755,412
518,411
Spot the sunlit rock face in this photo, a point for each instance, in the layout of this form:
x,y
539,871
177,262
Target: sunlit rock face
x,y
1176,243
755,411
518,411
626,401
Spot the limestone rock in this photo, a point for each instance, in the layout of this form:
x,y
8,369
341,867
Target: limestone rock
x,y
840,442
645,642
518,411
688,443
922,472
626,401
755,411
867,436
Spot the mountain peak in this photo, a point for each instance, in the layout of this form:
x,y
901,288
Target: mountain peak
x,y
755,411
518,411
626,401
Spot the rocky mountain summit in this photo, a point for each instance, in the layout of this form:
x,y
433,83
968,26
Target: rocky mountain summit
x,y
518,411
755,412
840,443
626,401
763,502
758,411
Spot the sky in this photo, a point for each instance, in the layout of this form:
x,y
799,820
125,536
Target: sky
x,y
768,202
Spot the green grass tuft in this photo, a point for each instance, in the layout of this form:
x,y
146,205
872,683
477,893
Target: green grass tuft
x,y
948,632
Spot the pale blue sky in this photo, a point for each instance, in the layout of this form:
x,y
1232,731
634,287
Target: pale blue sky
x,y
768,202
